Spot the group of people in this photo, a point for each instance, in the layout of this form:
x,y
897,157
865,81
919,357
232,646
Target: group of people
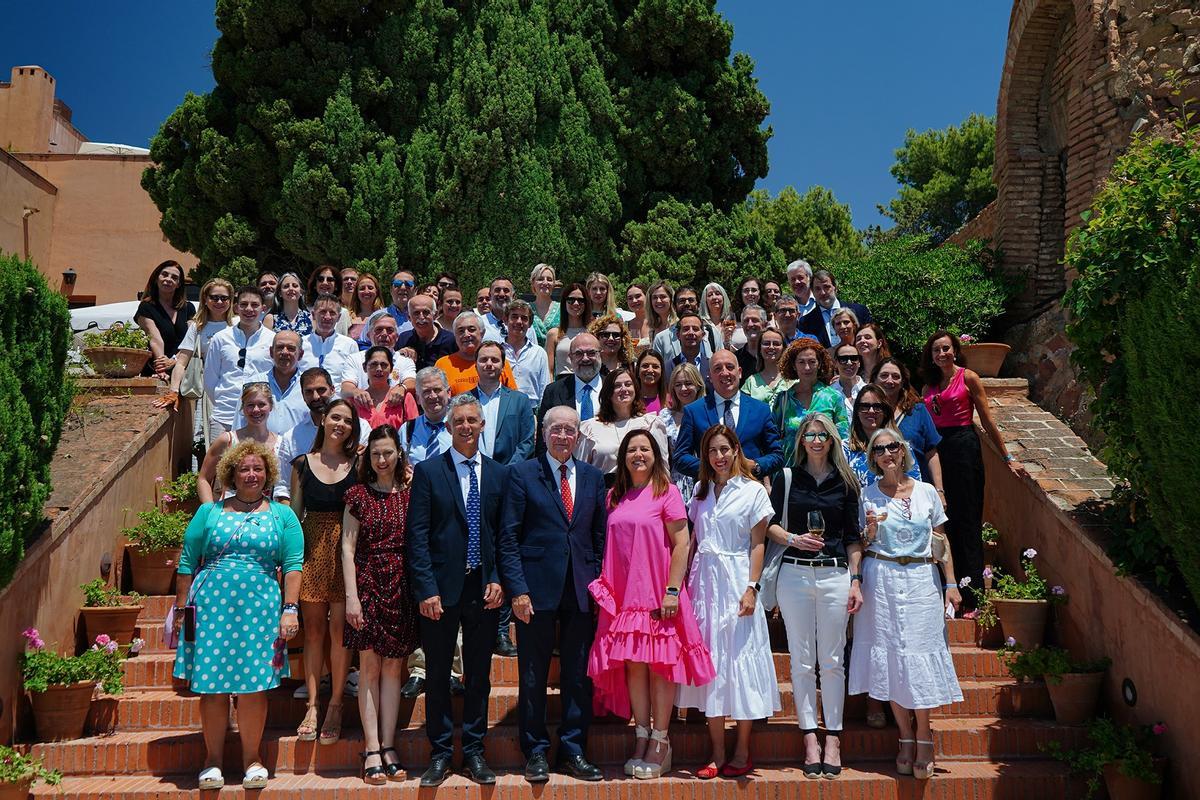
x,y
635,490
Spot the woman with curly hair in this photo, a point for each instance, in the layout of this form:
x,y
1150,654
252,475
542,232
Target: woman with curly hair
x,y
616,348
806,362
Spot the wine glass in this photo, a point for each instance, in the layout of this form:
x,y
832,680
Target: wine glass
x,y
816,523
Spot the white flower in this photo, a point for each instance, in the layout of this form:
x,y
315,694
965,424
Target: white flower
x,y
965,582
1030,553
1011,642
136,646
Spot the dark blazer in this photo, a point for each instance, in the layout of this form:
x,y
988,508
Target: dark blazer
x,y
437,526
813,323
755,429
537,541
514,437
560,392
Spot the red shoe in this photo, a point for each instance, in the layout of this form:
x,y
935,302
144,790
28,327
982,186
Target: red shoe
x,y
709,772
730,771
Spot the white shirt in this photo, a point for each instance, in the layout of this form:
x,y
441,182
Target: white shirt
x,y
849,398
338,354
223,378
531,369
464,476
595,384
197,341
494,330
297,441
403,368
736,408
722,525
289,409
491,420
556,471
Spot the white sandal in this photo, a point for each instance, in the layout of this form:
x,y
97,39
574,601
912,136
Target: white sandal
x,y
646,770
641,732
211,778
255,777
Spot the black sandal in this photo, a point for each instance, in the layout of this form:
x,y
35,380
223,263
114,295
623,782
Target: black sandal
x,y
374,776
395,772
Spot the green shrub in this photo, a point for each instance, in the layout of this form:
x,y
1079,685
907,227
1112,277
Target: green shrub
x,y
119,334
158,530
98,594
913,289
35,332
1050,663
1132,747
18,768
1136,322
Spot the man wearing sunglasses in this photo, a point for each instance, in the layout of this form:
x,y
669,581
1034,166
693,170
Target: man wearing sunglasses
x,y
403,283
236,356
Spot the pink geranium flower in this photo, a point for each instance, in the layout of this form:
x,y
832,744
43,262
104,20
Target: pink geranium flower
x,y
103,639
1159,728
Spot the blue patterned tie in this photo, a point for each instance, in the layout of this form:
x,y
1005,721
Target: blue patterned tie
x,y
473,557
435,444
586,411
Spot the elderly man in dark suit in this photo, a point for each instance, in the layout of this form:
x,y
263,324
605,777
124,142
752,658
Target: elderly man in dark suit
x,y
551,548
818,323
453,535
579,390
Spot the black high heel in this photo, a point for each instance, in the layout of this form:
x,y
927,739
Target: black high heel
x,y
374,776
395,772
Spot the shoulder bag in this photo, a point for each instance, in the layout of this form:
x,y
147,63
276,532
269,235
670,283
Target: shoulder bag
x,y
773,557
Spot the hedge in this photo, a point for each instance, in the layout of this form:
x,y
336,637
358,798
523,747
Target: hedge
x,y
1135,308
35,394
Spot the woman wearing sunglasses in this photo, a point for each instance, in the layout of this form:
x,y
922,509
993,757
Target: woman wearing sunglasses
x,y
900,654
616,348
849,382
573,320
870,412
325,280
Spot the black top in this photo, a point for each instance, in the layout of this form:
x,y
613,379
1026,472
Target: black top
x,y
320,496
747,361
427,353
172,333
837,503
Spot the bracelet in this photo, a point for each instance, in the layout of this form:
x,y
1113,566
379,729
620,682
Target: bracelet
x,y
673,591
290,608
1009,457
949,585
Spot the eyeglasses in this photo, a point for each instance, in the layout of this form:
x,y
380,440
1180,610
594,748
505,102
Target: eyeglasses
x,y
786,311
218,298
327,279
401,284
890,447
611,335
871,407
443,284
849,359
241,358
816,436
586,353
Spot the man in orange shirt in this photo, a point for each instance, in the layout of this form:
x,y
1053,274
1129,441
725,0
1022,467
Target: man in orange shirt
x,y
460,366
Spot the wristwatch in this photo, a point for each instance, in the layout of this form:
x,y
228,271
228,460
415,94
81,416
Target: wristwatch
x,y
673,591
857,577
756,586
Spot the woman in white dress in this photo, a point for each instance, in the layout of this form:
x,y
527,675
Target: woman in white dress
x,y
900,653
622,410
729,515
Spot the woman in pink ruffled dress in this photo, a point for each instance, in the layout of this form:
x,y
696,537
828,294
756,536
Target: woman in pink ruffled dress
x,y
647,641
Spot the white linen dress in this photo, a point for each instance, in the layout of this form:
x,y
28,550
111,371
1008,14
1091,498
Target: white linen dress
x,y
745,687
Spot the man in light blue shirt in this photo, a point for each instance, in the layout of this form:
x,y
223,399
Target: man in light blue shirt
x,y
494,326
289,408
799,275
403,285
427,435
530,367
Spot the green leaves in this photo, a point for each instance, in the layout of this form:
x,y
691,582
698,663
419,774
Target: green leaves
x,y
815,226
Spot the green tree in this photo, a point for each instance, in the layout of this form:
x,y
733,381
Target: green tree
x,y
945,178
686,244
813,226
478,136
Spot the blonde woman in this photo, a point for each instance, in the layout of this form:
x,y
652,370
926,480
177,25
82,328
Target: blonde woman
x,y
367,300
686,385
602,298
546,309
257,404
662,307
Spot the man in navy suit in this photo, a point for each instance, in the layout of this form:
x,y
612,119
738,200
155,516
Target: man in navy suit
x,y
453,533
749,418
818,323
551,548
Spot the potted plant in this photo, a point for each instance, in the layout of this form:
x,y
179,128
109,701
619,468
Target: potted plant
x,y
61,687
1019,606
18,772
1123,756
991,548
119,351
105,611
180,494
1073,685
985,358
154,546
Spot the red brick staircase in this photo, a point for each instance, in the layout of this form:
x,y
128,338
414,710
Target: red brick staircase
x,y
987,745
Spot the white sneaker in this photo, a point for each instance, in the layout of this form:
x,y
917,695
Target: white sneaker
x,y
255,777
211,778
301,692
352,684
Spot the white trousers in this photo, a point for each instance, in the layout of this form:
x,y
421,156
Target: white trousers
x,y
813,601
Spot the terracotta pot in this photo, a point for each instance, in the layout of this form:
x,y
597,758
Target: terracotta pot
x,y
103,715
1023,620
117,362
986,358
15,791
1076,697
154,570
1122,787
117,621
60,712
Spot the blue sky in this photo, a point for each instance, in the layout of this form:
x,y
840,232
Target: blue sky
x,y
845,81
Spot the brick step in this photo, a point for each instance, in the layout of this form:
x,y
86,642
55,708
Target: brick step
x,y
873,781
166,709
970,663
165,752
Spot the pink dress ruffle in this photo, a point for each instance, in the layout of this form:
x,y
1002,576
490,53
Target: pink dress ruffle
x,y
633,581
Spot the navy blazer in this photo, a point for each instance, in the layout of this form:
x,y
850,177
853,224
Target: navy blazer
x,y
536,540
437,526
813,323
755,430
560,392
514,437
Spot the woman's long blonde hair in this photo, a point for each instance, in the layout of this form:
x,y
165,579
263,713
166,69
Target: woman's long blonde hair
x,y
202,318
837,454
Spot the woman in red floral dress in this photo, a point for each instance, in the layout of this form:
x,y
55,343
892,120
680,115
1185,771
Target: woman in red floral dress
x,y
381,615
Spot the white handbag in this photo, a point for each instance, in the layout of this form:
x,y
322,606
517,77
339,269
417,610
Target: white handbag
x,y
773,557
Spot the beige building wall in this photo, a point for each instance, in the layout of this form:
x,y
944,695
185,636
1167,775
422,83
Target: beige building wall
x,y
22,190
27,110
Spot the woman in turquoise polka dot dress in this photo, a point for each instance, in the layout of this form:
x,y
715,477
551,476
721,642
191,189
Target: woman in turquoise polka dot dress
x,y
231,552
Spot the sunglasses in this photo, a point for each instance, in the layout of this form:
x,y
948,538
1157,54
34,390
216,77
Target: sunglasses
x,y
871,407
890,447
401,284
786,311
241,358
218,298
849,359
611,334
327,279
816,436
445,284
575,300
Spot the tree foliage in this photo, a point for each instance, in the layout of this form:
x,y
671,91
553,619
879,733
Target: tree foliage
x,y
685,244
813,226
1135,321
478,136
35,331
945,178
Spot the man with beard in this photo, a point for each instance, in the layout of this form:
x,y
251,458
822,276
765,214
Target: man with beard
x,y
580,389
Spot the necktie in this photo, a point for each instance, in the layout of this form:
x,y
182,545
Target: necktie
x,y
586,411
473,557
564,488
727,420
435,444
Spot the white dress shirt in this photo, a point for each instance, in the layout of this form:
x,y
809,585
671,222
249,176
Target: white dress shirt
x,y
338,354
531,369
556,471
595,384
224,379
464,477
736,408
